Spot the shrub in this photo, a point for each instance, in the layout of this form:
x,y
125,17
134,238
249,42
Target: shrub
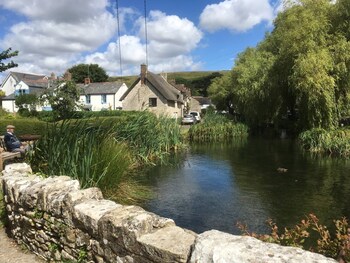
x,y
24,125
323,141
310,234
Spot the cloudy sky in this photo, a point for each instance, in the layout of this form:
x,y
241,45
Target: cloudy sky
x,y
182,35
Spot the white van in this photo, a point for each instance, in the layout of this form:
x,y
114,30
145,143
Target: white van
x,y
196,114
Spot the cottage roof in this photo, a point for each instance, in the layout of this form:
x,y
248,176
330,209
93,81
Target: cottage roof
x,y
100,88
167,90
202,100
32,90
20,76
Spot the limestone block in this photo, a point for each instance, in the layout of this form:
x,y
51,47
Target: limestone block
x,y
168,244
14,186
35,196
87,214
122,226
55,198
215,246
75,197
17,168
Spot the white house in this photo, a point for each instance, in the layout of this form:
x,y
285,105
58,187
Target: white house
x,y
17,83
94,96
102,95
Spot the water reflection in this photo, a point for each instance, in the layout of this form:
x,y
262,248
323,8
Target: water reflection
x,y
217,185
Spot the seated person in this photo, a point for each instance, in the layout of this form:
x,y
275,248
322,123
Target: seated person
x,y
12,143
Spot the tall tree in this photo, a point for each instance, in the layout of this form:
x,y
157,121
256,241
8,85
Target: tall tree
x,y
221,92
8,53
92,71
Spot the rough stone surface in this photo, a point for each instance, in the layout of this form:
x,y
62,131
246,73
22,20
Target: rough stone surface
x,y
168,244
56,220
122,226
215,246
88,213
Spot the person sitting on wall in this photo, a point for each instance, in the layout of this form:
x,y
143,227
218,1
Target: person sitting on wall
x,y
12,143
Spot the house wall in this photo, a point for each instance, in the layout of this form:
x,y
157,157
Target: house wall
x,y
138,100
9,105
194,105
9,85
113,100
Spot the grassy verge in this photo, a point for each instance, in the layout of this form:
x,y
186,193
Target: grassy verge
x,y
335,142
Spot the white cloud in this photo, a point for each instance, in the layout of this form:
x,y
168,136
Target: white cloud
x,y
57,32
55,35
170,40
236,15
169,35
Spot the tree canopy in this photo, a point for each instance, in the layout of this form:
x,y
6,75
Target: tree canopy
x,y
299,72
92,71
4,55
64,99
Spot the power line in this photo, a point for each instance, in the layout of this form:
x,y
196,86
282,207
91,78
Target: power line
x,y
119,46
146,37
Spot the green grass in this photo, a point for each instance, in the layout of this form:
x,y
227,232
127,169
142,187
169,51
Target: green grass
x,y
84,151
217,128
150,137
335,142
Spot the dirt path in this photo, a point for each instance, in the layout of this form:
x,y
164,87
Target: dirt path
x,y
10,252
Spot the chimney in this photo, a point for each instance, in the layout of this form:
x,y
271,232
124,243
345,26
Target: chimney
x,y
67,75
143,73
87,81
53,76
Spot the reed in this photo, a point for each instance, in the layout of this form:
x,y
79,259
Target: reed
x,y
335,142
150,137
217,128
82,151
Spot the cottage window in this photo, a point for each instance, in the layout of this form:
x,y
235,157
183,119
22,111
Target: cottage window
x,y
103,99
152,102
88,99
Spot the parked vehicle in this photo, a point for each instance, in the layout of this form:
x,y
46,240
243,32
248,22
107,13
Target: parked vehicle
x,y
188,119
196,114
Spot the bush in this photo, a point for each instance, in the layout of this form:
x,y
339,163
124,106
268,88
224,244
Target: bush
x,y
24,125
322,141
311,235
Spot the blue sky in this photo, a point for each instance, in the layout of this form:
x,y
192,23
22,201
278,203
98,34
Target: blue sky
x,y
183,35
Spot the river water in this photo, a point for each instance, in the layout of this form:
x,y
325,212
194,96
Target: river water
x,y
214,186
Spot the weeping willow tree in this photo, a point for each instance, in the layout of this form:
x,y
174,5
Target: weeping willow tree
x,y
301,70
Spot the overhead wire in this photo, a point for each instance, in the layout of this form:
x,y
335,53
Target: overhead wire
x,y
146,34
119,44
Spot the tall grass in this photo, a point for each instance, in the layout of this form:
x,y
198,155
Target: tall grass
x,y
336,142
151,137
216,127
82,151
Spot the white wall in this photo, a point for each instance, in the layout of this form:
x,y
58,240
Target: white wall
x,y
9,105
9,85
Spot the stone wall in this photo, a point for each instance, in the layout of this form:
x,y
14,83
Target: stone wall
x,y
58,221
